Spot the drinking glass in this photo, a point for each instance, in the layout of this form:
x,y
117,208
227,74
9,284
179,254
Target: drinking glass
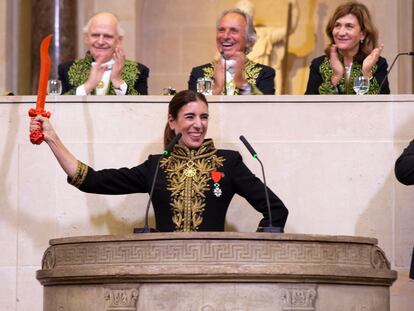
x,y
205,86
361,85
54,87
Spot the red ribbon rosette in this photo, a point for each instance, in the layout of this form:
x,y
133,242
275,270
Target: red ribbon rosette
x,y
216,176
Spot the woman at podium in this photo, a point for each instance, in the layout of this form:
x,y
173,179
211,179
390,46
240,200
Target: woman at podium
x,y
195,183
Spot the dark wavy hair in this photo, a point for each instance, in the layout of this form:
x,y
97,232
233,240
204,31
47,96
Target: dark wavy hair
x,y
179,100
360,11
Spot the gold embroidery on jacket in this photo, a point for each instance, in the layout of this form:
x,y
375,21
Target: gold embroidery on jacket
x,y
251,73
345,87
188,173
80,175
79,71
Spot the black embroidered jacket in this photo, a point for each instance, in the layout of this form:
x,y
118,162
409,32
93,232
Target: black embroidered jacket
x,y
193,190
260,77
75,73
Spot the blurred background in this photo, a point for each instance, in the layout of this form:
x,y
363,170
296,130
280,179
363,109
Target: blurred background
x,y
172,36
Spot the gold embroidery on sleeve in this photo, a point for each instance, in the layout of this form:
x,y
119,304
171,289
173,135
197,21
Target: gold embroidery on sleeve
x,y
80,175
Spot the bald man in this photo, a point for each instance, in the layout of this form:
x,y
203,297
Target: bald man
x,y
104,70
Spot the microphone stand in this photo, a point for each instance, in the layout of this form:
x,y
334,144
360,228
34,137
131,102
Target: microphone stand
x,y
270,228
146,228
167,151
392,65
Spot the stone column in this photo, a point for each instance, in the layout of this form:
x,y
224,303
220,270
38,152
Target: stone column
x,y
57,17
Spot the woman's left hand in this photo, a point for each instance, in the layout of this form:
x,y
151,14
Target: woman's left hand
x,y
371,60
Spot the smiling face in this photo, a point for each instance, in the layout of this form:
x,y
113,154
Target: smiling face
x,y
192,123
231,34
347,34
102,37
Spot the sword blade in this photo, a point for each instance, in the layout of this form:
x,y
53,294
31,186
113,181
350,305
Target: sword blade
x,y
45,63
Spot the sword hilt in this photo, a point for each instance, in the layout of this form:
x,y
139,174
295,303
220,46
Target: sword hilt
x,y
37,136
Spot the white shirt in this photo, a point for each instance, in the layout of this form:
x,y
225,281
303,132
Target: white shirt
x,y
230,86
80,90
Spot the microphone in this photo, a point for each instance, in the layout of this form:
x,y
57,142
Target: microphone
x,y
171,145
167,151
393,62
225,72
269,228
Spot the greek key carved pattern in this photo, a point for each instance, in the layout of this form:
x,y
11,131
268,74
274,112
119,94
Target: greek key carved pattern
x,y
224,252
298,297
121,299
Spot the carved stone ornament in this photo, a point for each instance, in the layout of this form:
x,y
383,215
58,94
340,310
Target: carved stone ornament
x,y
203,253
218,256
49,259
378,259
121,299
298,298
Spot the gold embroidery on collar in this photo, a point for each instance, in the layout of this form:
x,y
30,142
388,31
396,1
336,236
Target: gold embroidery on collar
x,y
188,173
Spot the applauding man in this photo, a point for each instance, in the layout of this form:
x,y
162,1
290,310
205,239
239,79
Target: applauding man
x,y
232,72
104,70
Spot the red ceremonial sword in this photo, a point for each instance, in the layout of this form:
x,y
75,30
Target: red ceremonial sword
x,y
36,136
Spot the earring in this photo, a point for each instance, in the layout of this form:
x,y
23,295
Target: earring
x,y
362,41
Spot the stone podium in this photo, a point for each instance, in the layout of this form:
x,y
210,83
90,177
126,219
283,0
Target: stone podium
x,y
215,271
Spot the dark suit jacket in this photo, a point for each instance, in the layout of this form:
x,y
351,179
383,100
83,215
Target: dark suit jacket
x,y
404,171
316,78
136,79
404,166
265,80
237,178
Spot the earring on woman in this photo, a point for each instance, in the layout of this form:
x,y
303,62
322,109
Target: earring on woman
x,y
361,41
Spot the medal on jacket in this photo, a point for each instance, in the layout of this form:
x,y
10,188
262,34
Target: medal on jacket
x,y
190,171
216,177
